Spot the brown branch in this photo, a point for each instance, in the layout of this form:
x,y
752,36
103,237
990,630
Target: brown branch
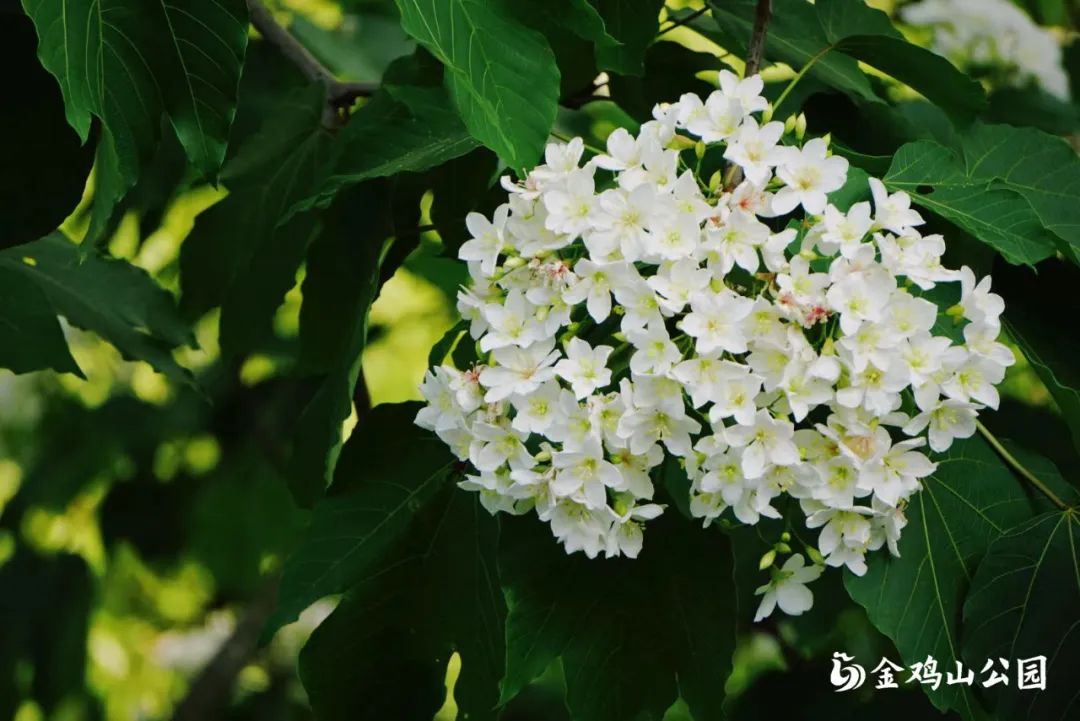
x,y
754,54
339,94
211,691
757,40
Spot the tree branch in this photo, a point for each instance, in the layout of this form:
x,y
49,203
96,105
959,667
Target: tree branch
x,y
339,95
757,40
211,691
754,53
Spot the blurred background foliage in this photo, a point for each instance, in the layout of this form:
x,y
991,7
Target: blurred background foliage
x,y
143,521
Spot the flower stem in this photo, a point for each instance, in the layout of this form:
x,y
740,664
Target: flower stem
x,y
1019,467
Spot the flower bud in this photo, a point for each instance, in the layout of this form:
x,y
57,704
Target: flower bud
x,y
767,560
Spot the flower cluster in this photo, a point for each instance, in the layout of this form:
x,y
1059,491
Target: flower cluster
x,y
993,35
774,348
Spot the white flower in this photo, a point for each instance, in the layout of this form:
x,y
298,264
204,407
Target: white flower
x,y
518,371
947,420
893,212
487,239
584,367
787,589
715,320
767,441
809,175
572,208
754,149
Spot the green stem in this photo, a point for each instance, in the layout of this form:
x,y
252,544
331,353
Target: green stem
x,y
799,76
1019,467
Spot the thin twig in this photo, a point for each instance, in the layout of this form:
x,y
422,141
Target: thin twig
x,y
339,94
1019,467
678,23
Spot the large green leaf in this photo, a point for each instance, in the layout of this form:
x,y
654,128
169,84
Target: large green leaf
x,y
342,280
1042,168
128,61
30,335
633,634
388,471
1024,603
405,129
239,255
916,599
928,73
383,652
633,23
501,74
116,300
935,178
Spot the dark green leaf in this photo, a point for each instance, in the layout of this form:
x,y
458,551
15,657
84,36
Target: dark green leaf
x,y
1025,602
342,281
116,300
841,19
30,335
383,652
127,62
928,73
1040,167
238,256
674,606
501,74
998,217
406,129
388,471
634,24
916,599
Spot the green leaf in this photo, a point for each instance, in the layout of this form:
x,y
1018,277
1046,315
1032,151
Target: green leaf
x,y
343,277
998,217
501,75
868,35
841,19
1025,602
239,255
387,644
634,24
405,129
928,73
795,37
116,300
916,599
388,471
1042,168
127,62
575,16
30,336
675,606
